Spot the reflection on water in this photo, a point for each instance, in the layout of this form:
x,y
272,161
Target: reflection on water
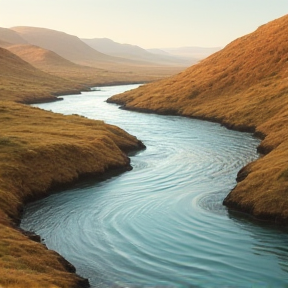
x,y
270,240
163,223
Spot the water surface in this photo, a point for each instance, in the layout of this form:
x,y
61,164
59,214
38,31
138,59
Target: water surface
x,y
161,224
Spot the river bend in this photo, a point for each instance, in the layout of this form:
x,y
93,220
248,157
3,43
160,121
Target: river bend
x,y
161,224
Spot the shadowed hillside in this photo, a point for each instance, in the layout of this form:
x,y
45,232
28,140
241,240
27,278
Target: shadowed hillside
x,y
245,87
22,82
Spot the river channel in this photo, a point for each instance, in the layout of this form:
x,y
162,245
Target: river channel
x,y
163,223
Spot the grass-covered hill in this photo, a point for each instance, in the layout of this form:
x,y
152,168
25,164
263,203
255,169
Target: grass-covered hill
x,y
67,57
22,82
74,49
244,86
50,62
40,150
67,46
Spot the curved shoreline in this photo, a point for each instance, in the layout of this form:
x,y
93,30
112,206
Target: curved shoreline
x,y
229,201
48,155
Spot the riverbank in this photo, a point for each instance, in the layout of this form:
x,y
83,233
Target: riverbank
x,y
244,87
41,151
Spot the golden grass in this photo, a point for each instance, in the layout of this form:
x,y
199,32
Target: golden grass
x,y
244,86
54,64
40,150
22,82
53,75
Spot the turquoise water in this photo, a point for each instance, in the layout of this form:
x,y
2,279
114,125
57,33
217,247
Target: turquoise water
x,y
162,224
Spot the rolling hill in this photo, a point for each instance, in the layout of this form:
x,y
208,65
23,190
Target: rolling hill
x,y
27,41
11,37
22,82
72,48
41,150
65,45
244,86
137,53
52,63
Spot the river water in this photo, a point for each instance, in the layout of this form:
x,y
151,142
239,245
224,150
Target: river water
x,y
161,224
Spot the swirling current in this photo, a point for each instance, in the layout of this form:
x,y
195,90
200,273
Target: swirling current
x,y
163,223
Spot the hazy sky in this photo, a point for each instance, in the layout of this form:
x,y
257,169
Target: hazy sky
x,y
147,23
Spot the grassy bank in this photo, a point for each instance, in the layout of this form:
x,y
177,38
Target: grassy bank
x,y
40,151
245,87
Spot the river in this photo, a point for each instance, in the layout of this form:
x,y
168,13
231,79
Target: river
x,y
163,223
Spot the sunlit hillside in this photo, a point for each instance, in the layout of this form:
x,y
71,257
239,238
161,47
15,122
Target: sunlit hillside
x,y
66,56
54,64
244,86
72,48
22,82
41,150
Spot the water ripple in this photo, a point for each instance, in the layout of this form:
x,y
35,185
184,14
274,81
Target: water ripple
x,y
163,223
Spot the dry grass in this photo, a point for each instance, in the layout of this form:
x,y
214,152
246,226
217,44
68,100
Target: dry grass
x,y
20,81
54,64
49,75
40,150
244,86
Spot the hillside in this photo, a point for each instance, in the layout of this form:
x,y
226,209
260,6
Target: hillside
x,y
22,82
245,87
65,45
54,64
192,52
11,37
41,150
72,48
93,68
134,52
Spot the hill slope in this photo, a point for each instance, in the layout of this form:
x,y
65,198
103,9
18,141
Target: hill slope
x,y
52,63
134,52
109,69
244,86
11,37
72,48
22,82
40,150
65,45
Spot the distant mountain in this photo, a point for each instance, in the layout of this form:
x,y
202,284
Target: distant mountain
x,y
39,57
65,45
66,55
9,37
136,53
158,51
50,62
188,52
20,80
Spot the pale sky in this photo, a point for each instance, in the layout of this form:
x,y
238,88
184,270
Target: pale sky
x,y
146,23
